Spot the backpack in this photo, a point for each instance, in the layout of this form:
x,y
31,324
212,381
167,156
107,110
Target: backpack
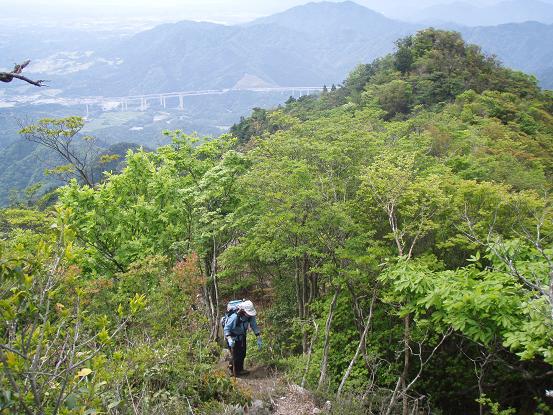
x,y
232,307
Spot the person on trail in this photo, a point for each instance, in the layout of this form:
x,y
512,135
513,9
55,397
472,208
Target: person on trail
x,y
235,331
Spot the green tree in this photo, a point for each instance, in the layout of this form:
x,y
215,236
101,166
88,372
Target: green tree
x,y
48,354
62,137
394,97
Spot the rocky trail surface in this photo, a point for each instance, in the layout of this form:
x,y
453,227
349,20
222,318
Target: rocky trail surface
x,y
273,395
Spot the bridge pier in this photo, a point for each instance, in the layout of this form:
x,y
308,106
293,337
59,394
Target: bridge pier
x,y
181,102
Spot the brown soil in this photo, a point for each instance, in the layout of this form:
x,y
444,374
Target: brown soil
x,y
279,396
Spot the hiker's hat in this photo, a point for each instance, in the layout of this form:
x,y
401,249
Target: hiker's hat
x,y
248,308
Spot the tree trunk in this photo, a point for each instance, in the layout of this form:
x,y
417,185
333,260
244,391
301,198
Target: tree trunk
x,y
359,348
357,312
309,353
215,327
210,307
324,362
393,398
359,322
551,288
406,363
298,288
314,291
208,287
304,268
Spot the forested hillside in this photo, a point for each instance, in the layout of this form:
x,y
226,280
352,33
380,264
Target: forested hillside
x,y
396,235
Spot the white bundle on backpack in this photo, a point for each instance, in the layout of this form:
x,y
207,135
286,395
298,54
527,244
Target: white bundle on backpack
x,y
232,307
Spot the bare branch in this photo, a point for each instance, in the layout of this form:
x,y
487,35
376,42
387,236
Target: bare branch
x,y
16,74
359,347
309,353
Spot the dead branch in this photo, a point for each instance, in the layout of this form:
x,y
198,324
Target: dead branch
x,y
309,353
16,74
359,347
324,362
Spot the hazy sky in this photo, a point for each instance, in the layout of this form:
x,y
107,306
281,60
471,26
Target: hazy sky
x,y
228,11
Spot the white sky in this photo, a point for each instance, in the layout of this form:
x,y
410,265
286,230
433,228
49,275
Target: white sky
x,y
228,11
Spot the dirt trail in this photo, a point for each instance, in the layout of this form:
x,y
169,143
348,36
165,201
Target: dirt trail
x,y
271,394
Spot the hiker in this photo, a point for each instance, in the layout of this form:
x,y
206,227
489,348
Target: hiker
x,y
235,331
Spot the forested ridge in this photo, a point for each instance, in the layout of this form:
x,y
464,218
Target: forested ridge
x,y
395,233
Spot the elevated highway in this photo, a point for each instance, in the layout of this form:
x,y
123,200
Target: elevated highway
x,y
176,100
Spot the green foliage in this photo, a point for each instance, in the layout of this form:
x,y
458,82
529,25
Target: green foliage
x,y
494,407
23,219
394,97
258,123
49,357
170,357
422,178
154,206
64,128
72,321
417,195
59,135
481,304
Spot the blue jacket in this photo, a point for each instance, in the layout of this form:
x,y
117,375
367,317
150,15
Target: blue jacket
x,y
237,326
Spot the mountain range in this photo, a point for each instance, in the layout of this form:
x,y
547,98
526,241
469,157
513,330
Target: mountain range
x,y
309,45
524,46
305,46
509,11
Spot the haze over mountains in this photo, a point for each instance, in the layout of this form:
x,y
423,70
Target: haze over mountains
x,y
309,45
466,12
524,46
508,11
305,46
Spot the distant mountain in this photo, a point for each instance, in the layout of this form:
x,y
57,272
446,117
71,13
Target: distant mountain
x,y
524,46
18,43
305,46
546,77
509,11
327,18
309,45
